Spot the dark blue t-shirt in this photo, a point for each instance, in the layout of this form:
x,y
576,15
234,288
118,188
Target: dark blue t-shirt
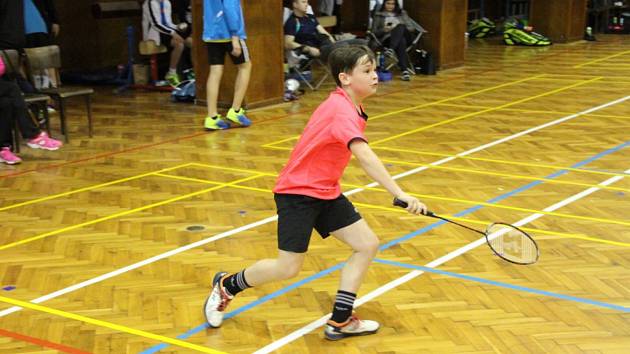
x,y
303,28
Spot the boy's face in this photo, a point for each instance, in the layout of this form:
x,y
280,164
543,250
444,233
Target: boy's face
x,y
300,5
363,79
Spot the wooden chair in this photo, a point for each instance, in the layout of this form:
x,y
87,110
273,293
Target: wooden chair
x,y
49,57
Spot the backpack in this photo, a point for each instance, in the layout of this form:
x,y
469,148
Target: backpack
x,y
184,92
424,63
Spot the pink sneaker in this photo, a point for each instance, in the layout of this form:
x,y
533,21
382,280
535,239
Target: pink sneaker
x,y
7,156
43,141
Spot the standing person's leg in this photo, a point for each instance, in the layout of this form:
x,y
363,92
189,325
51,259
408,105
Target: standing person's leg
x,y
240,85
236,114
216,57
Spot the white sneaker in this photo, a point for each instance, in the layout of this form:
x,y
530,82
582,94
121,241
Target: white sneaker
x,y
217,301
352,327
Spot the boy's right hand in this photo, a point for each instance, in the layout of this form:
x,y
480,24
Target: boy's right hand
x,y
414,206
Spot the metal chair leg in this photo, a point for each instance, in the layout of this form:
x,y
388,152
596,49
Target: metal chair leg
x,y
88,102
62,117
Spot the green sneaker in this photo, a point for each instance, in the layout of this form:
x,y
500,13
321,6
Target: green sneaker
x,y
173,79
215,123
238,117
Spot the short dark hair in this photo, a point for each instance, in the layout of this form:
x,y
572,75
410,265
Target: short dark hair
x,y
345,58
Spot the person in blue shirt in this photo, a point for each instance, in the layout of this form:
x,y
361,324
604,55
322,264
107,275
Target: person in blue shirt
x,y
224,33
40,22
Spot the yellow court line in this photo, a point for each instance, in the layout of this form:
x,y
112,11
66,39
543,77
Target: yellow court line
x,y
262,173
590,76
428,196
428,104
533,110
506,162
112,326
123,213
532,231
535,77
122,180
413,131
537,231
610,66
499,206
281,141
601,59
604,81
507,175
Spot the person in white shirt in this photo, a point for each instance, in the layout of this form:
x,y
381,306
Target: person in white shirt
x,y
158,26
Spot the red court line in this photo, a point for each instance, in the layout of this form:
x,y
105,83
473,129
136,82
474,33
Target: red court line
x,y
190,136
41,342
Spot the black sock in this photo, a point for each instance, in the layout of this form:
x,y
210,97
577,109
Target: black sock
x,y
342,310
236,283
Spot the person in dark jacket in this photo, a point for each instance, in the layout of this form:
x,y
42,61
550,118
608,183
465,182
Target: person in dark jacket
x,y
394,27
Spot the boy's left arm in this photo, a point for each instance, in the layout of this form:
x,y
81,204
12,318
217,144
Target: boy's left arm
x,y
373,166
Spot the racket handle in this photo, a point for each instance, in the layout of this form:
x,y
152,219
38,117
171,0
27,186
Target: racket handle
x,y
402,204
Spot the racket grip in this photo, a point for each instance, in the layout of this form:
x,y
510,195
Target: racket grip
x,y
402,204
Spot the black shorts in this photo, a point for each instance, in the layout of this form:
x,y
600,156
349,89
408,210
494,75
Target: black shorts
x,y
299,214
217,51
165,39
34,40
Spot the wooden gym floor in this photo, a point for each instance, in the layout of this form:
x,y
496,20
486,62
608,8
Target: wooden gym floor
x,y
96,251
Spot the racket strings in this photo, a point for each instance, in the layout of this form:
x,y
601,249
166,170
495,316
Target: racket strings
x,y
512,244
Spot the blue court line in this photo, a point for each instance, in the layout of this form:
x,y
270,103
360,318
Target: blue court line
x,y
385,246
505,285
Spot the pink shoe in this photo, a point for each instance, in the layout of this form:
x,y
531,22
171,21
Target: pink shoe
x,y
7,156
43,141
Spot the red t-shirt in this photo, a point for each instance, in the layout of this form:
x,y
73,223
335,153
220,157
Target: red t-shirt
x,y
322,153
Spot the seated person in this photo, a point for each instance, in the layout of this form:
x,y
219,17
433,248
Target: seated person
x,y
304,34
157,25
393,27
12,108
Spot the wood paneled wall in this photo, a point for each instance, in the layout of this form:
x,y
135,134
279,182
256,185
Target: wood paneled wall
x,y
90,43
446,22
561,20
263,22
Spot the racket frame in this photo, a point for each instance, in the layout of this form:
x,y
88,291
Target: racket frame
x,y
399,203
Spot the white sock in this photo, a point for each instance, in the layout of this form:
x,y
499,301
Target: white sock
x,y
171,71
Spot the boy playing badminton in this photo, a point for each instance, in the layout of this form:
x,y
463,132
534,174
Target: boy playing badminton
x,y
308,195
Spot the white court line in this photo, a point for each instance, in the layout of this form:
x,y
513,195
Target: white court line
x,y
173,252
416,273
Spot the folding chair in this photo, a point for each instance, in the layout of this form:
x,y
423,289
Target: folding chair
x,y
389,53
